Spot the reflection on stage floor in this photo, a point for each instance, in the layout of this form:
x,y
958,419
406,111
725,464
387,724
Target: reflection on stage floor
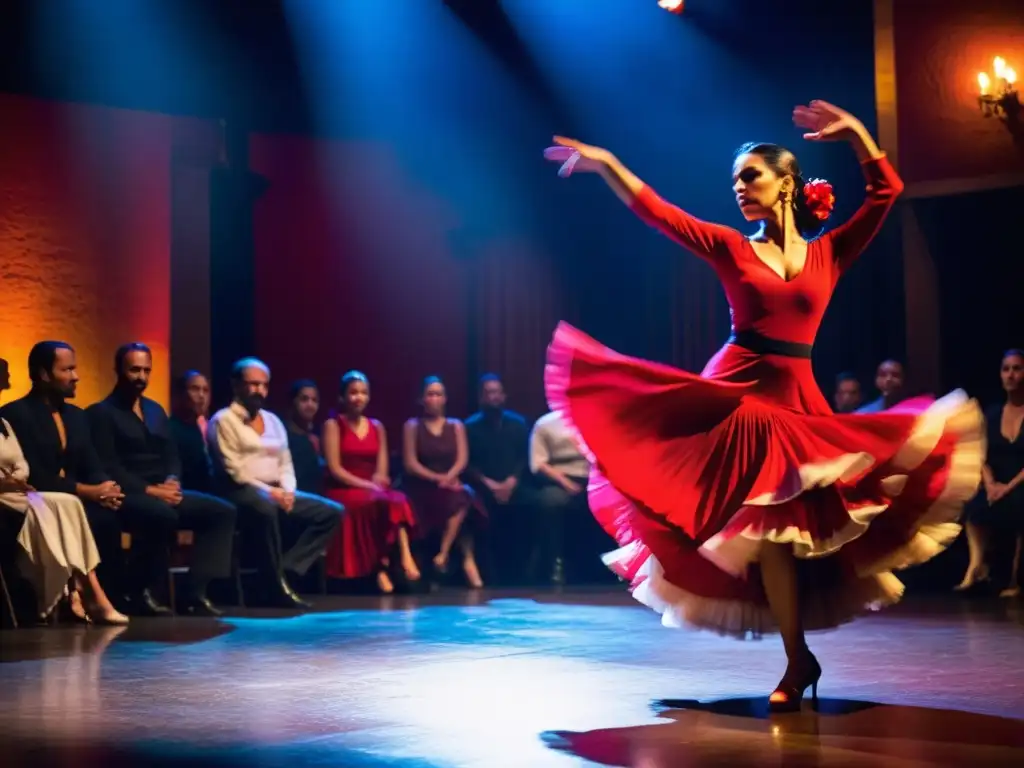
x,y
509,679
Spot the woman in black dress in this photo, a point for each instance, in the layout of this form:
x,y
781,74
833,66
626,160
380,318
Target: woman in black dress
x,y
999,506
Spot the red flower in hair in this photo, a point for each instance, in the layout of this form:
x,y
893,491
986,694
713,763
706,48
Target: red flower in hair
x,y
819,198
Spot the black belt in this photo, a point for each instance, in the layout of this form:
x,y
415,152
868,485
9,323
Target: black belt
x,y
763,345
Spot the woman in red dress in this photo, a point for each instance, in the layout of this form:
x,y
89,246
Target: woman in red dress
x,y
376,518
740,502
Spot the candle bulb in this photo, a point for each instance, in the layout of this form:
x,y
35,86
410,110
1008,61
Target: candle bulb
x,y
999,67
984,83
1010,75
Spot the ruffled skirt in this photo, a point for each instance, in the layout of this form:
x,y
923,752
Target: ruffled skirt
x,y
692,473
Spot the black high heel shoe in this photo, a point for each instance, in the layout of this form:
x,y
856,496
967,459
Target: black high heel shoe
x,y
789,694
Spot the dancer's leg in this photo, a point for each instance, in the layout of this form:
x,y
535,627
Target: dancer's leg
x,y
779,576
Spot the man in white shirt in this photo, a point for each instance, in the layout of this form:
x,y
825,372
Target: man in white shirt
x,y
561,472
253,469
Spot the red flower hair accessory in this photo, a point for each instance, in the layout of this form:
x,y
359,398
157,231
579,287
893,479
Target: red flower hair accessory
x,y
819,197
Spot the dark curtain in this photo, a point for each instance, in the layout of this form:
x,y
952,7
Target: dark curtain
x,y
975,244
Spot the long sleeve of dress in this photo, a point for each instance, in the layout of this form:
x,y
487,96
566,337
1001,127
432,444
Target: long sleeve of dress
x,y
883,187
707,240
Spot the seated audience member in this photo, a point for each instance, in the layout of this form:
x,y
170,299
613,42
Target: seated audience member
x,y
497,461
190,409
434,454
57,445
561,472
303,442
847,397
889,381
998,507
377,518
135,446
253,469
59,550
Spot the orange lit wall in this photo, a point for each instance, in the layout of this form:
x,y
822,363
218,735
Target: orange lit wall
x,y
84,237
940,46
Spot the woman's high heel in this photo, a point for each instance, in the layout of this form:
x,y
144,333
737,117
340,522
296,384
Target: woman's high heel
x,y
110,617
789,694
972,577
75,608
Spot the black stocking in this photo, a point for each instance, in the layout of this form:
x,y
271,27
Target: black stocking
x,y
778,574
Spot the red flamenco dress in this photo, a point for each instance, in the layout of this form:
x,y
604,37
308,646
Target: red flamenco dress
x,y
691,473
369,528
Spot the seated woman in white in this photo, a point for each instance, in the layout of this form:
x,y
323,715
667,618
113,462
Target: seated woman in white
x,y
59,548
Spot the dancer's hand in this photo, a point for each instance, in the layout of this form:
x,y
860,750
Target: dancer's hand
x,y
576,157
826,122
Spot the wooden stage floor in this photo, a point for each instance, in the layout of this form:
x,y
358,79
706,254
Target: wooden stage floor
x,y
521,679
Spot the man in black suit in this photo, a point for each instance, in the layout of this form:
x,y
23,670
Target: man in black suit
x,y
135,446
57,444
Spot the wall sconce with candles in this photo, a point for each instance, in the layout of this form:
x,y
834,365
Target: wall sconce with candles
x,y
998,95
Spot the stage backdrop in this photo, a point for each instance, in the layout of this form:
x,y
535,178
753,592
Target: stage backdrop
x,y
84,237
423,232
354,269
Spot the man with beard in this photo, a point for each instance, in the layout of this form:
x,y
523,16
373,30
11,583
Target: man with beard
x,y
57,443
253,468
134,443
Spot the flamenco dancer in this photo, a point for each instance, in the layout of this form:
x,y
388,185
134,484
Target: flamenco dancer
x,y
740,502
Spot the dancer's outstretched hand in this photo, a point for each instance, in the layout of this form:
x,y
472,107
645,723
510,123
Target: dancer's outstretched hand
x,y
575,156
825,122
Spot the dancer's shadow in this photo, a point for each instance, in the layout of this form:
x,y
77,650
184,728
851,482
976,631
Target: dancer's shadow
x,y
852,733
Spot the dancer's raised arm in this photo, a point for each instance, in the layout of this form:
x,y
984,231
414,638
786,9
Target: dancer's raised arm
x,y
702,238
827,122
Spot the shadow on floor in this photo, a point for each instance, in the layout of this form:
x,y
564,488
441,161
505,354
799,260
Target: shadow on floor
x,y
741,731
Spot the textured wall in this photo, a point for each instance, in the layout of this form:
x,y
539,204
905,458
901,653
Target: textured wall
x,y
940,46
84,236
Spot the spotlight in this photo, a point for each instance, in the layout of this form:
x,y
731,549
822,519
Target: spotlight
x,y
672,6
